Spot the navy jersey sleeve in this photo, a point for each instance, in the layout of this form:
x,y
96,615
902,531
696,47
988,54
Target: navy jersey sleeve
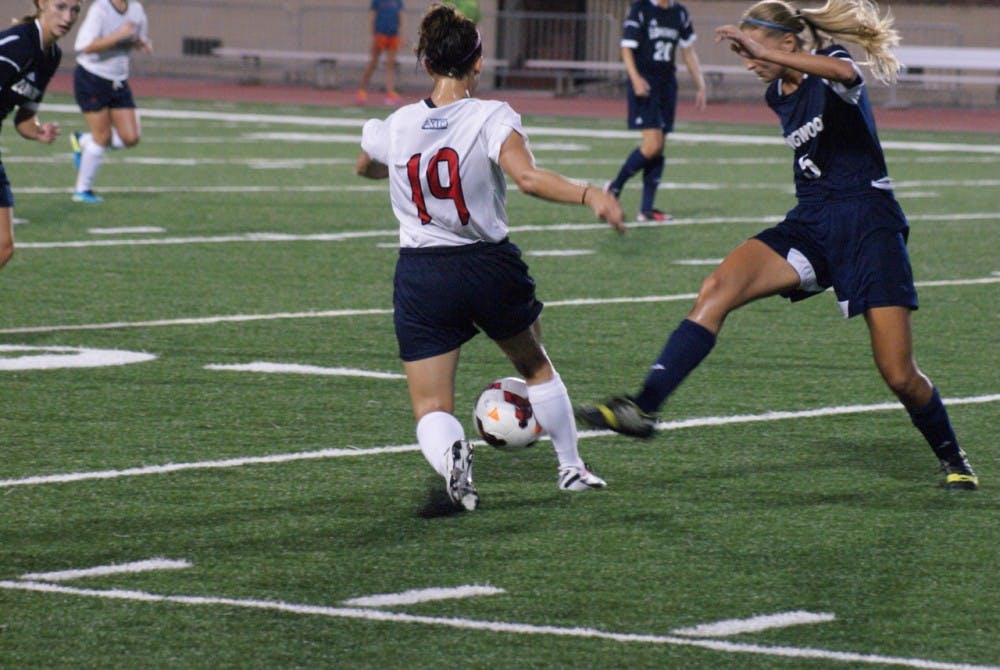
x,y
16,53
632,29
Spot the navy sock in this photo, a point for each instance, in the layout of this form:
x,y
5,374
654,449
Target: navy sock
x,y
686,347
651,182
932,421
635,162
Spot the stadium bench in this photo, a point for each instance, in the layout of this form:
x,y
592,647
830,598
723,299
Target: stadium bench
x,y
955,62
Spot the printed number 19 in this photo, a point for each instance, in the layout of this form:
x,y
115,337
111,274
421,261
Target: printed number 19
x,y
453,191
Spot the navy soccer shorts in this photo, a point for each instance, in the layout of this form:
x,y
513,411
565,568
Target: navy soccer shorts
x,y
95,93
855,244
655,110
443,295
6,195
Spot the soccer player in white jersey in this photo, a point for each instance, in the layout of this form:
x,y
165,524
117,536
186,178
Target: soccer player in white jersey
x,y
110,32
457,272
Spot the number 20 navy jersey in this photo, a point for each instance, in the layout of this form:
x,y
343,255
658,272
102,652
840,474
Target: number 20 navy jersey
x,y
831,128
654,33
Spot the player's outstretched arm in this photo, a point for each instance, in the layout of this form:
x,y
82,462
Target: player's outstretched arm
x,y
519,164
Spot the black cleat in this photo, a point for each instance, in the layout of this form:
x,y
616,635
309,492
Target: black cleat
x,y
958,474
619,414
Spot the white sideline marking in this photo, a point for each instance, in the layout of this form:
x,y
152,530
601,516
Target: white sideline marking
x,y
239,318
754,624
496,626
102,570
423,595
133,230
337,453
294,368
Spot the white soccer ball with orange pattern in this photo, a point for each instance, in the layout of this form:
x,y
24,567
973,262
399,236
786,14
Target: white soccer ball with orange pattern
x,y
504,417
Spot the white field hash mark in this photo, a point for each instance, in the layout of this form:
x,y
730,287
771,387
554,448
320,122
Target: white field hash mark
x,y
423,595
374,451
298,369
104,570
754,624
496,626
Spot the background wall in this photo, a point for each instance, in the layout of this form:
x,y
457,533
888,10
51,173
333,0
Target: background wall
x,y
182,28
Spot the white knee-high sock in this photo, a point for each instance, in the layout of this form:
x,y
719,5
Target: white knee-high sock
x,y
554,411
116,140
90,163
436,433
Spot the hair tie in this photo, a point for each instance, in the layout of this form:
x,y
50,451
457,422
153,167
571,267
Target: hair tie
x,y
768,24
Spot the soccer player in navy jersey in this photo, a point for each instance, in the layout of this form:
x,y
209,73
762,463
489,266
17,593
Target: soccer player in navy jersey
x,y
29,56
846,230
655,34
446,158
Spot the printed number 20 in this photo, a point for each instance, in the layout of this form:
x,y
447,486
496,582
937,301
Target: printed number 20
x,y
663,51
447,158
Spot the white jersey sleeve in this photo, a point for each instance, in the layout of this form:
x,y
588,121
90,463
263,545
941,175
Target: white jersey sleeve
x,y
445,182
103,19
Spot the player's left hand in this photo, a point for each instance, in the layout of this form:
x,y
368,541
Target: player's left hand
x,y
700,100
47,132
740,42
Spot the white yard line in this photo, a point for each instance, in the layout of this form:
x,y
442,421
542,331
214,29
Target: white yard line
x,y
374,451
341,313
269,237
499,627
589,134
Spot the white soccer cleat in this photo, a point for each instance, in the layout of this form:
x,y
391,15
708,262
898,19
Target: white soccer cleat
x,y
575,478
460,487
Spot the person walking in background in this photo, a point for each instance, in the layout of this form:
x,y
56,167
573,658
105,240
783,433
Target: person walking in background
x,y
29,56
110,32
654,34
386,28
846,231
445,158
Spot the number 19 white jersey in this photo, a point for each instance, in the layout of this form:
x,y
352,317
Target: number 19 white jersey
x,y
445,182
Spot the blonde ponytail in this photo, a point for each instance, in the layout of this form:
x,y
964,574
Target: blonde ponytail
x,y
856,21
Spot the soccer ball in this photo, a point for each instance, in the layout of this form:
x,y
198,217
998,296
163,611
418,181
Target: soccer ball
x,y
504,417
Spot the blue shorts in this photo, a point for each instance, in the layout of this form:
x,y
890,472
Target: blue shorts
x,y
95,93
655,110
855,244
6,195
442,294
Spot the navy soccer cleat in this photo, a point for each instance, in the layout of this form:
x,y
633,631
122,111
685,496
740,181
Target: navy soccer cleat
x,y
958,474
619,414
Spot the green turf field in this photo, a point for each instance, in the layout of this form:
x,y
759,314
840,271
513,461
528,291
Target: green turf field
x,y
787,515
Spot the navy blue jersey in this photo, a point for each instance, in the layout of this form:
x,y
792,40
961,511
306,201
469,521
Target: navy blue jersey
x,y
654,33
831,129
25,68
